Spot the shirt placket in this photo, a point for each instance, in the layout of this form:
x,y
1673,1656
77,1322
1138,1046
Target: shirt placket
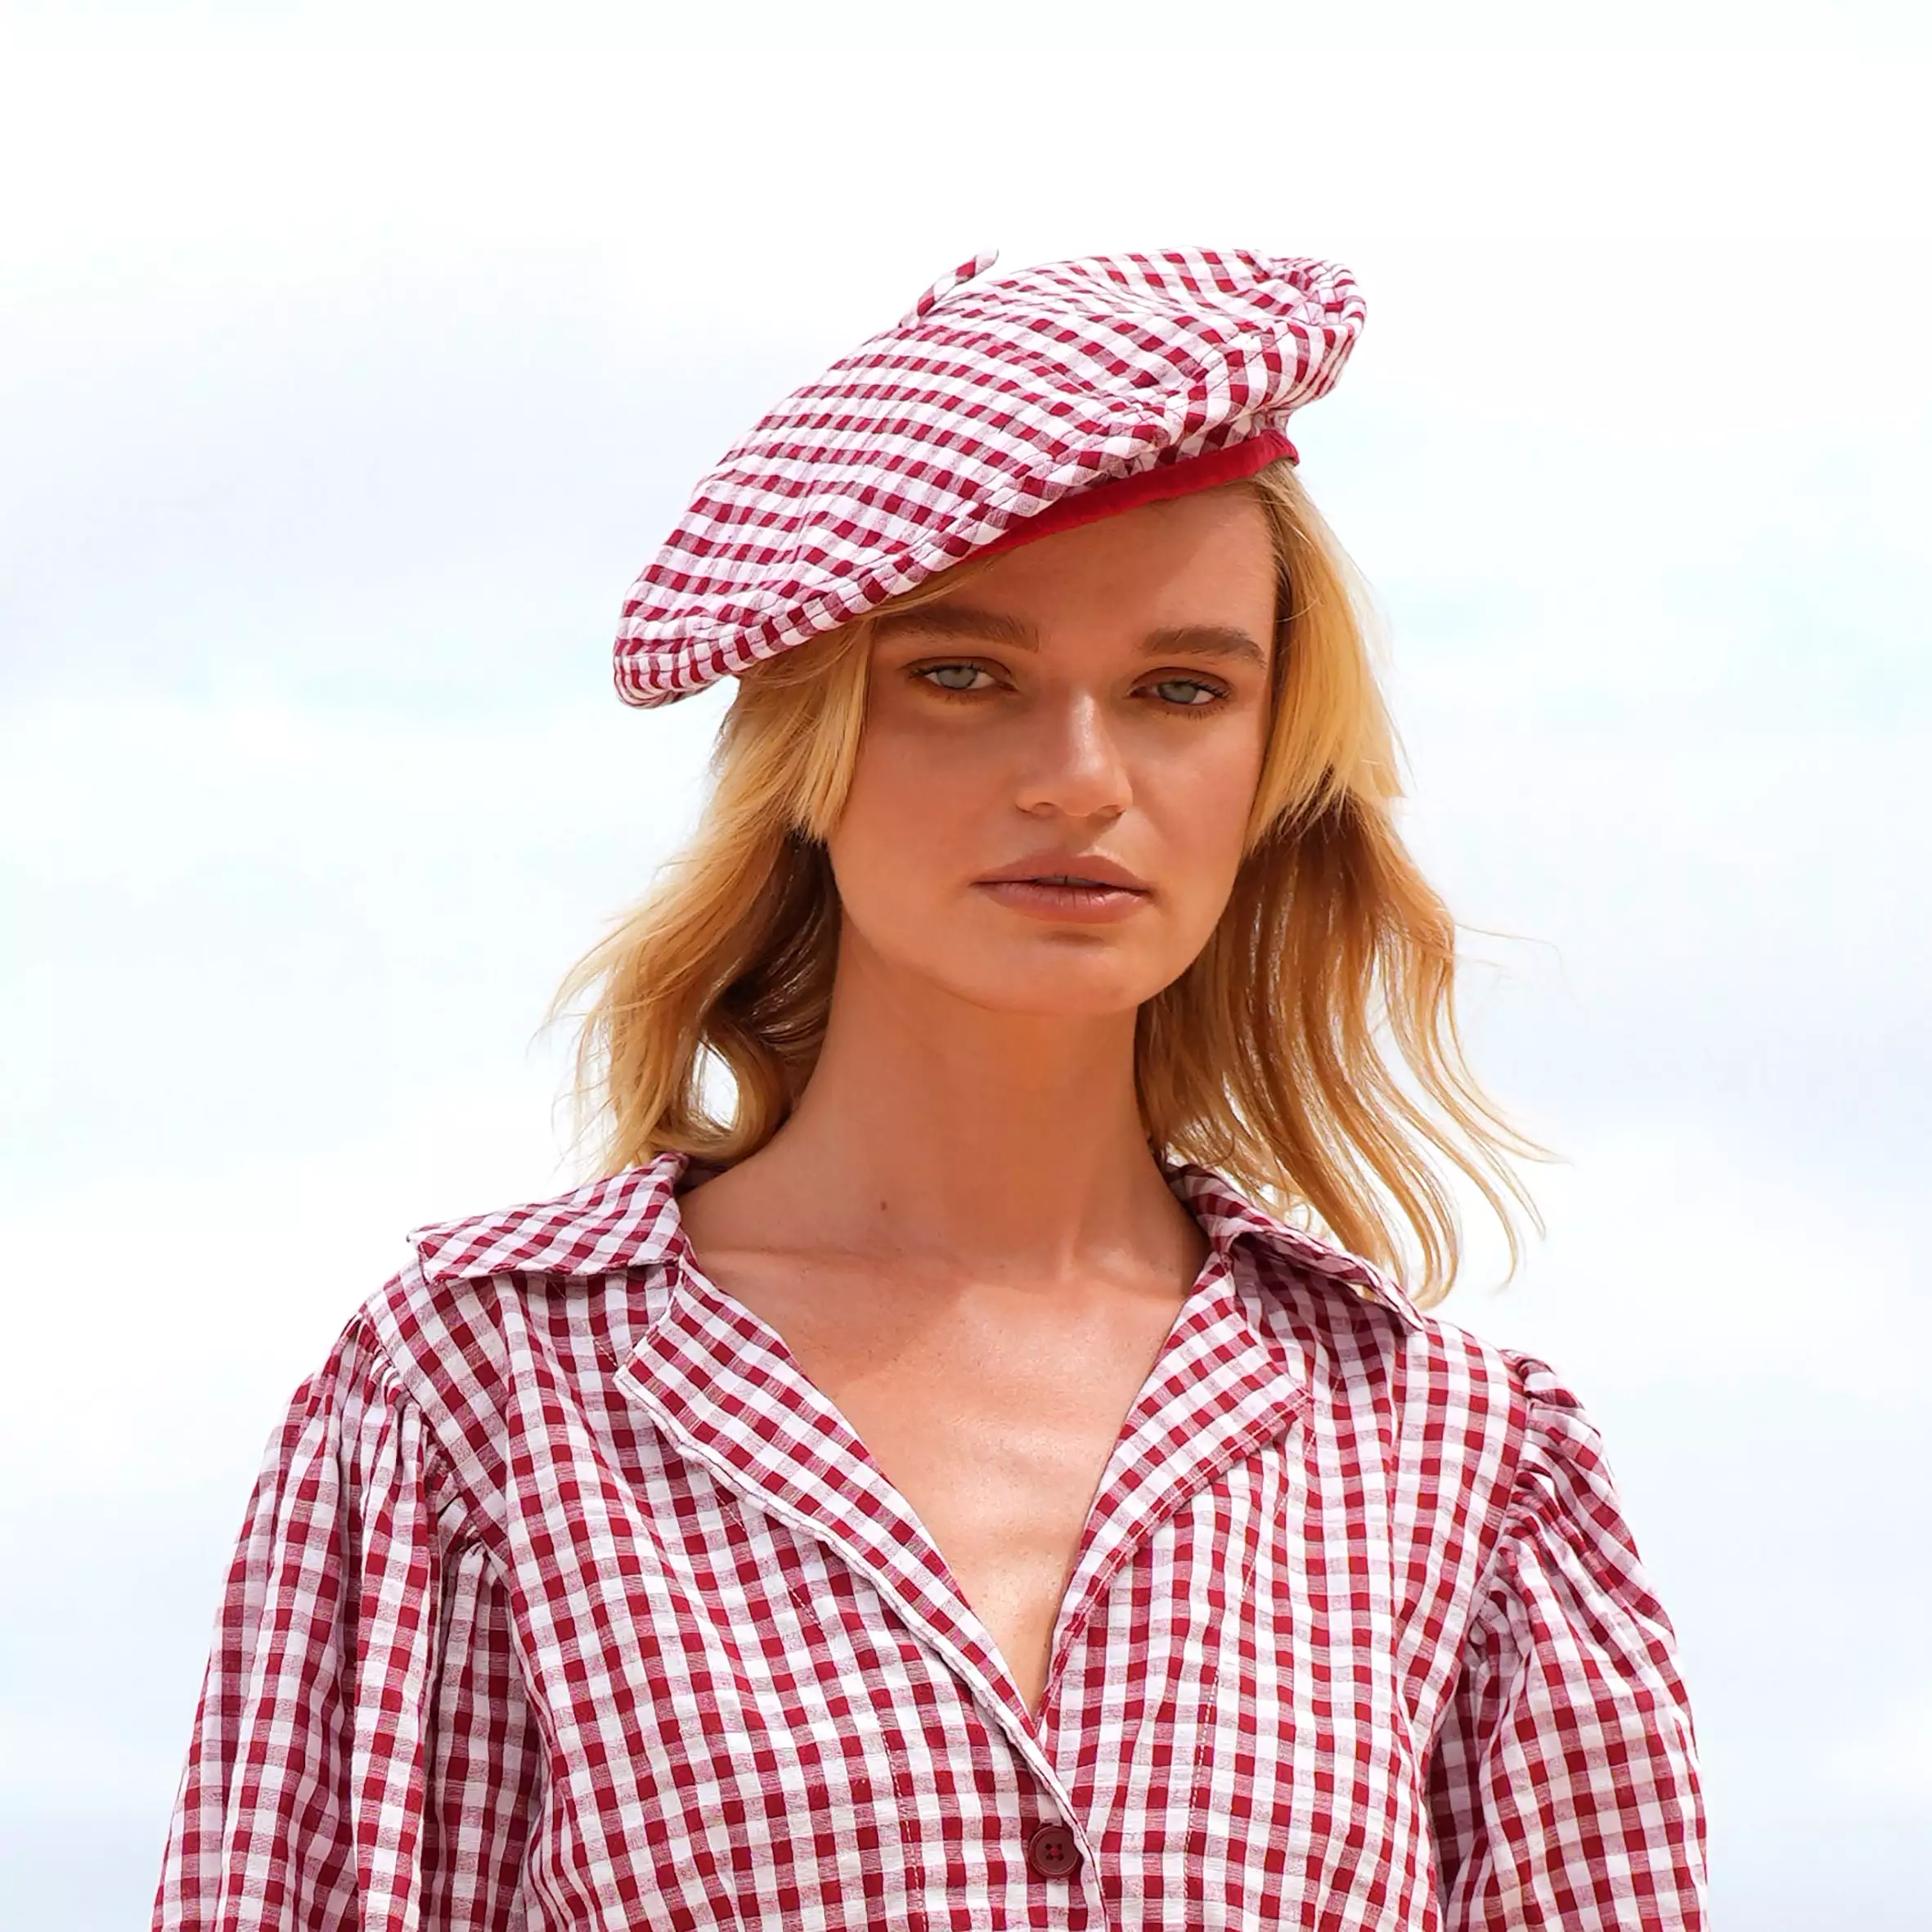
x,y
724,1388
1224,1390
1221,1389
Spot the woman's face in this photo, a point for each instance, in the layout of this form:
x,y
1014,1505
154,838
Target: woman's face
x,y
1059,759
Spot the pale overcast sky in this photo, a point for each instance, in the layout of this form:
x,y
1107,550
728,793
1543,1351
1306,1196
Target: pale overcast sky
x,y
353,358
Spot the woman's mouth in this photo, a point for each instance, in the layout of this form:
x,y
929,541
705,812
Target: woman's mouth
x,y
1069,897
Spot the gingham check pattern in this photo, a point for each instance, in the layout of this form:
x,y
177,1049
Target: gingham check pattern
x,y
566,1602
991,400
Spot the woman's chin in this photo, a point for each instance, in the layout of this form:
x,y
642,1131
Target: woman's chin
x,y
1023,968
1069,989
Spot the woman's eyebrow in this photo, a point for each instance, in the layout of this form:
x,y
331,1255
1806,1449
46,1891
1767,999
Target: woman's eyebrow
x,y
1205,640
962,620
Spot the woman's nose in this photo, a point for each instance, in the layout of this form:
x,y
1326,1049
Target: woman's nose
x,y
1077,768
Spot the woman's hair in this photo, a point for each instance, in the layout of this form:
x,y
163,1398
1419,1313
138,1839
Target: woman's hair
x,y
1309,1053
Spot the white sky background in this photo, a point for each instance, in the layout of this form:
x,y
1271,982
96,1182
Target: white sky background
x,y
352,359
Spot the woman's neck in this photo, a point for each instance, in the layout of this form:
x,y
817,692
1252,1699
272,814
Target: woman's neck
x,y
936,1131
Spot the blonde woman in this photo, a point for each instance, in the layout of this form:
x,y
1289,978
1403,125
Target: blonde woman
x,y
979,1457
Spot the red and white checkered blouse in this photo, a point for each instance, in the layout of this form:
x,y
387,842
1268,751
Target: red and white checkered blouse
x,y
566,1600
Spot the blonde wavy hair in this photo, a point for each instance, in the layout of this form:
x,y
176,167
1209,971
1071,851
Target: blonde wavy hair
x,y
1310,1052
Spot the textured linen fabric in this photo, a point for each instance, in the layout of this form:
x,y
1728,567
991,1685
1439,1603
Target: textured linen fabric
x,y
565,1601
992,400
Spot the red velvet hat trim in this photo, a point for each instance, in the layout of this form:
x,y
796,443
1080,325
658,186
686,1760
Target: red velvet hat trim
x,y
1161,484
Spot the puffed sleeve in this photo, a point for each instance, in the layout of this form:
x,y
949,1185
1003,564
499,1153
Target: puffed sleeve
x,y
362,1754
1564,1784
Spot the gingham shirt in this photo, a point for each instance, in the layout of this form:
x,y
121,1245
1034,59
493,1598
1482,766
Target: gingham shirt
x,y
565,1601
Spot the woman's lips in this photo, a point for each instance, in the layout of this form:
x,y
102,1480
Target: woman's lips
x,y
1080,905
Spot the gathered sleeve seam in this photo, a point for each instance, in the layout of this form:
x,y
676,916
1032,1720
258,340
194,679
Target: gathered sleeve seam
x,y
460,1518
1513,1514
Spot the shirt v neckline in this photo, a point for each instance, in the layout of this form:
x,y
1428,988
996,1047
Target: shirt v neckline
x,y
727,1386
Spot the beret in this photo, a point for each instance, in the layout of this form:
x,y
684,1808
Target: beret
x,y
994,410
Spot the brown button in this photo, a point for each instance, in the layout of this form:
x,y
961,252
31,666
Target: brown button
x,y
1052,1852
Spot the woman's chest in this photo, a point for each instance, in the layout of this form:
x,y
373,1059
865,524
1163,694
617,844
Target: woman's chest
x,y
990,1410
757,1717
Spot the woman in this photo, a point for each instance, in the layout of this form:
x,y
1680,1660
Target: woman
x,y
925,1482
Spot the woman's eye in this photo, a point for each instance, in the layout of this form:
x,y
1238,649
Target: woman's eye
x,y
1186,691
955,677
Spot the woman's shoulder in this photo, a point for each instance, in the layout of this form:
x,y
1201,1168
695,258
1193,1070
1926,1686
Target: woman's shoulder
x,y
1475,1448
1355,1324
1402,1395
558,1290
1366,1343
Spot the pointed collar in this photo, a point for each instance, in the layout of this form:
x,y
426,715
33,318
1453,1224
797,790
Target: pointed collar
x,y
627,1220
1228,1218
630,1220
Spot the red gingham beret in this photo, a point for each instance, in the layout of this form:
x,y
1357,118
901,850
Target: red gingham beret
x,y
995,411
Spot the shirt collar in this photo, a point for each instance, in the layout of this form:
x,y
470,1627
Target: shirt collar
x,y
624,1220
1228,1219
629,1220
